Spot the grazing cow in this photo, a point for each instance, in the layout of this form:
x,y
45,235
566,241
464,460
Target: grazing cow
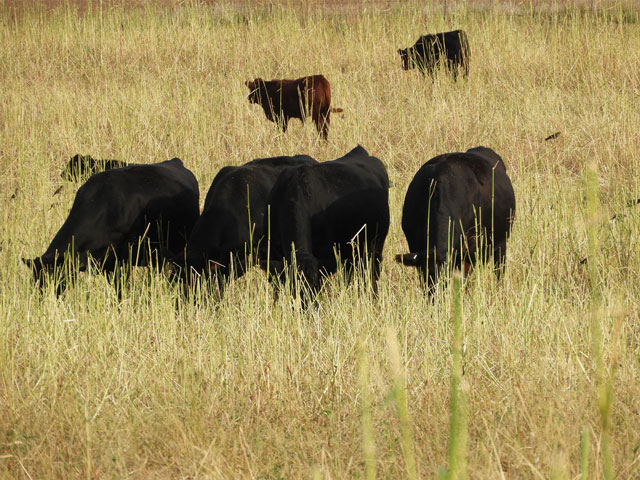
x,y
130,214
285,99
451,49
80,166
231,225
459,207
329,211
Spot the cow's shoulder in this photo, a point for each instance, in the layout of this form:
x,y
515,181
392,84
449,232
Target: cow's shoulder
x,y
425,40
219,181
143,177
316,80
445,169
266,170
295,181
223,174
283,86
357,164
437,165
174,162
453,34
358,157
487,156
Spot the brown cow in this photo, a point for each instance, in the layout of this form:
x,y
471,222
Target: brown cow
x,y
285,99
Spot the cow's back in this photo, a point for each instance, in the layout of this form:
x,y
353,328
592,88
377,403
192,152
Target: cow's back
x,y
321,184
250,183
453,193
321,205
234,210
114,208
451,48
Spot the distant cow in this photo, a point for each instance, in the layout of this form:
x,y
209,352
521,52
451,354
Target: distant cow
x,y
282,100
336,208
84,165
114,210
459,206
232,222
451,49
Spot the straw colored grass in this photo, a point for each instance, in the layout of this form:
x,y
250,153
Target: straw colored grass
x,y
149,386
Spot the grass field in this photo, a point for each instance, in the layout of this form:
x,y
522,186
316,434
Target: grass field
x,y
149,386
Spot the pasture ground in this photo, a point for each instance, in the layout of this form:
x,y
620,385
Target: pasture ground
x,y
253,387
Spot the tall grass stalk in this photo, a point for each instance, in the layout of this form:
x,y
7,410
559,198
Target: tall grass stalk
x,y
87,431
458,402
584,454
604,380
399,395
368,439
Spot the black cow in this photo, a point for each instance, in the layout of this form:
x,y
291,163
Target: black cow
x,y
336,209
459,206
114,210
231,225
451,49
80,166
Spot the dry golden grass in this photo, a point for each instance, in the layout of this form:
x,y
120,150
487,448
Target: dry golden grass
x,y
252,387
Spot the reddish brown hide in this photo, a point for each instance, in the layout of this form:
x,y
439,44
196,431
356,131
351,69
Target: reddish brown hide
x,y
300,98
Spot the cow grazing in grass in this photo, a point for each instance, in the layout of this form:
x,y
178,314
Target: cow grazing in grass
x,y
459,207
330,213
449,49
126,216
304,97
81,166
232,223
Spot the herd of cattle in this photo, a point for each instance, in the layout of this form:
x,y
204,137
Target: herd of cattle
x,y
283,212
288,214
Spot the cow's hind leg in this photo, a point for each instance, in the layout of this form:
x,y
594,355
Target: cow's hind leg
x,y
436,264
453,67
376,269
499,255
322,119
282,122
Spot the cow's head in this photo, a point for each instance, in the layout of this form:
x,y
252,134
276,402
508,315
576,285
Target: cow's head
x,y
411,259
188,272
417,260
75,168
50,268
40,267
254,89
404,56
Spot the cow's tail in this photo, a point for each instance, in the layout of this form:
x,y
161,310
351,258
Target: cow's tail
x,y
465,53
412,259
336,110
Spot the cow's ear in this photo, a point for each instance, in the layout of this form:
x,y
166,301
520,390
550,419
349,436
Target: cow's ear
x,y
400,51
250,84
410,259
35,264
